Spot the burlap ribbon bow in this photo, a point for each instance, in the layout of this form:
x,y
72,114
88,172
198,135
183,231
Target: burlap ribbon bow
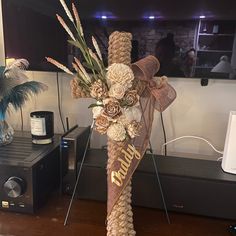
x,y
144,70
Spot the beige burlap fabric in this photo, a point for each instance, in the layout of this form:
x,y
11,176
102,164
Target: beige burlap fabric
x,y
77,91
120,220
119,48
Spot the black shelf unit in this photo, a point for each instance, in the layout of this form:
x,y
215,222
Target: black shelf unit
x,y
214,39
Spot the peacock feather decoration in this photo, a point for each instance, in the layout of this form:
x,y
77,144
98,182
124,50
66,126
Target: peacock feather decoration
x,y
15,89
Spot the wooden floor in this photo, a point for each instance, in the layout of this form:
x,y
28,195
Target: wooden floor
x,y
88,218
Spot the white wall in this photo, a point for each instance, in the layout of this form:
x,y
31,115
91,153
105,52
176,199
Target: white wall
x,y
201,111
76,110
197,110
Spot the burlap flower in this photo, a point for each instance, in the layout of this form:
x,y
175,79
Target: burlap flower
x,y
131,98
117,91
98,90
97,111
112,108
77,91
131,113
133,129
116,132
160,81
102,124
121,74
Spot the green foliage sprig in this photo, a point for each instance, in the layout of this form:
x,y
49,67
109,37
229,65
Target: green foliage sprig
x,y
92,61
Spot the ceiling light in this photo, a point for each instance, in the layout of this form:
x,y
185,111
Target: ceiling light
x,y
151,17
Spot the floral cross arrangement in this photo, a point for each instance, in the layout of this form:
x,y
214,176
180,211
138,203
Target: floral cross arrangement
x,y
125,97
116,111
118,115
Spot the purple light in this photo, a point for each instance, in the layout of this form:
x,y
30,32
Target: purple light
x,y
105,15
151,17
202,17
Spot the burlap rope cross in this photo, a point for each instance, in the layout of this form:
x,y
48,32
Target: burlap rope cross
x,y
120,221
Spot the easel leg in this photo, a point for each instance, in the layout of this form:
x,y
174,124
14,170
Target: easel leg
x,y
156,169
78,177
159,183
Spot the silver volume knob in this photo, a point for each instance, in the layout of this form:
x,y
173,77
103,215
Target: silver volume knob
x,y
14,187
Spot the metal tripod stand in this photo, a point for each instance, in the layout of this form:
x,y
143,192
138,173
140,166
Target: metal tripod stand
x,y
79,174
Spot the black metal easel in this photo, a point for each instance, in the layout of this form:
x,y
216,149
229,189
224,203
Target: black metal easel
x,y
80,169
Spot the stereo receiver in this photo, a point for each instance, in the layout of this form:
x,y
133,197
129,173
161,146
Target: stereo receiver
x,y
28,173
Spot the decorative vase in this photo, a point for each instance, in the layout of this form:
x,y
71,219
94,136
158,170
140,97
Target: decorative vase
x,y
6,133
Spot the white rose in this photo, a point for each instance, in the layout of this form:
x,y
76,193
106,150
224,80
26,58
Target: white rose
x,y
120,73
137,114
97,111
133,129
117,91
116,132
99,103
132,113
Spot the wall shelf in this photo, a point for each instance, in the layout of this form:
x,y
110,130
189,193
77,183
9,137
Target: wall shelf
x,y
204,67
205,34
214,39
221,51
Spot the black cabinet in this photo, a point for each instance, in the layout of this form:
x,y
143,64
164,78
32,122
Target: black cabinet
x,y
190,185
